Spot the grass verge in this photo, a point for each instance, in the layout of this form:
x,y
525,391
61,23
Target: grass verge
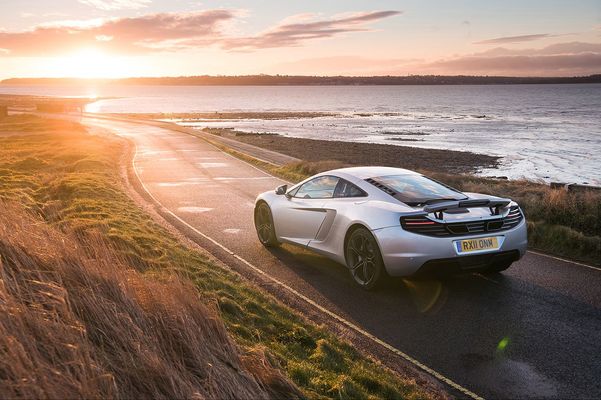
x,y
70,179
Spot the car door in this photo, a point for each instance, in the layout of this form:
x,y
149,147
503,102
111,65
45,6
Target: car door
x,y
330,235
299,218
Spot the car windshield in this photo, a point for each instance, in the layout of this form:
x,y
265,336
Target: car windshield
x,y
418,189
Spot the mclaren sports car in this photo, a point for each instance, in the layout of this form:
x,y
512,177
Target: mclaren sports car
x,y
381,221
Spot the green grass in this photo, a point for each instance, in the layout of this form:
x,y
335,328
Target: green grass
x,y
71,179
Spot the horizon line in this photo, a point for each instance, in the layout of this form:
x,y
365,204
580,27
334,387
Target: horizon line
x,y
283,76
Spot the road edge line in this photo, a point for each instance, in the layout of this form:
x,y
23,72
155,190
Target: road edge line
x,y
306,299
538,253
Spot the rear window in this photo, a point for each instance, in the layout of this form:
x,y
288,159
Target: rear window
x,y
416,189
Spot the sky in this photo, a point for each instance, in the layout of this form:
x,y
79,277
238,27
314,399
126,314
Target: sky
x,y
123,38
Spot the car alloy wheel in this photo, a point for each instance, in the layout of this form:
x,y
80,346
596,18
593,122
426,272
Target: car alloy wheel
x,y
264,225
363,258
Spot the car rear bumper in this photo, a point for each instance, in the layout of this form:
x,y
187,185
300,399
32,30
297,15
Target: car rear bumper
x,y
405,253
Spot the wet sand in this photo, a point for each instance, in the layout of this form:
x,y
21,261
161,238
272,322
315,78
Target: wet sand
x,y
367,153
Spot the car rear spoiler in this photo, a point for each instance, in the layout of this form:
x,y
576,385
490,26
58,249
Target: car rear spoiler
x,y
494,204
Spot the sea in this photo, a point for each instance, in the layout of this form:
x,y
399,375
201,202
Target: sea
x,y
542,132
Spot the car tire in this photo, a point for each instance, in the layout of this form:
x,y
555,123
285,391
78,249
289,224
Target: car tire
x,y
264,225
497,268
363,259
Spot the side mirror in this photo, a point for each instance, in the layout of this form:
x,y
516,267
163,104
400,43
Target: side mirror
x,y
281,190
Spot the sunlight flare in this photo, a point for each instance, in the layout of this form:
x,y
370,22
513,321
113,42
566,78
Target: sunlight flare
x,y
91,63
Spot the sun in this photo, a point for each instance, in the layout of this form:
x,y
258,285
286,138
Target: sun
x,y
92,63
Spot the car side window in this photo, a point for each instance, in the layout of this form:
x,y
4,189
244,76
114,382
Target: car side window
x,y
292,193
322,187
347,189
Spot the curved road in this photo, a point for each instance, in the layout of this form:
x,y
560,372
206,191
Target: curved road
x,y
532,332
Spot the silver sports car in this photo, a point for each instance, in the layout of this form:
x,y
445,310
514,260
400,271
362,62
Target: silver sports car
x,y
380,220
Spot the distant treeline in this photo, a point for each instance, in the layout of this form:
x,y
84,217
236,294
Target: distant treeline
x,y
295,80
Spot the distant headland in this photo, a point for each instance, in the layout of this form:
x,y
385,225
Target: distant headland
x,y
299,80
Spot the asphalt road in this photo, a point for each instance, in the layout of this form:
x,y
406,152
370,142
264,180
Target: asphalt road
x,y
531,332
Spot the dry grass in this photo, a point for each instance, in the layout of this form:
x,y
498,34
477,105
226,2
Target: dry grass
x,y
580,211
564,223
77,321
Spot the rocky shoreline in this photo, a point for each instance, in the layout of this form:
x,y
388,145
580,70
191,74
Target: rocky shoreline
x,y
353,153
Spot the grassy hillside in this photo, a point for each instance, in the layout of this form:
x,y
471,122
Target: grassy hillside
x,y
121,288
76,321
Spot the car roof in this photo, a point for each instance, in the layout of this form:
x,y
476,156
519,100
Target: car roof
x,y
371,172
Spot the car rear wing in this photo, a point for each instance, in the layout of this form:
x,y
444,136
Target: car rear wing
x,y
495,205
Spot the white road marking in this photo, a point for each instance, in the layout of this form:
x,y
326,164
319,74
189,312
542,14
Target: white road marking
x,y
197,179
301,296
564,260
176,184
154,152
194,210
252,178
212,165
231,230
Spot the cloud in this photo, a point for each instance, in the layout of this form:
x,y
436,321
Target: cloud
x,y
295,30
553,49
560,59
141,34
108,5
553,65
175,31
515,39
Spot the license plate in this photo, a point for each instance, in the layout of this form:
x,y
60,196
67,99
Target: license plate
x,y
469,245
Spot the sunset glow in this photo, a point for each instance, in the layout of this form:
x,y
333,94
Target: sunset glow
x,y
118,38
91,63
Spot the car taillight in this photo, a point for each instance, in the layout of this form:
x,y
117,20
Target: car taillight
x,y
423,225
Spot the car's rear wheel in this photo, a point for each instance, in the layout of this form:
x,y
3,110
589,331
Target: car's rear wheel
x,y
264,225
363,258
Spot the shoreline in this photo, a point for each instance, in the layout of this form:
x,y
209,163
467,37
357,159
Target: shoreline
x,y
413,149
355,153
30,103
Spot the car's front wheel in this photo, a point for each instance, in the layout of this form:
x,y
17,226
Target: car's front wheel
x,y
363,258
264,225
